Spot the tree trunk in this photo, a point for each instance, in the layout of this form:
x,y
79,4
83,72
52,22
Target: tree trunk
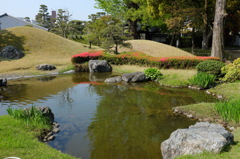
x,y
90,44
207,30
193,40
133,28
217,43
172,39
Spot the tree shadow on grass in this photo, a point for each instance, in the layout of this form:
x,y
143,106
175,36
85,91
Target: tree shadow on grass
x,y
8,38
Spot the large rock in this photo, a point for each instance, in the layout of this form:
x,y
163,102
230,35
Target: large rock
x,y
3,82
11,52
134,77
113,79
196,139
45,67
99,66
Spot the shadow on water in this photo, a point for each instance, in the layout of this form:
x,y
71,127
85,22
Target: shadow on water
x,y
8,38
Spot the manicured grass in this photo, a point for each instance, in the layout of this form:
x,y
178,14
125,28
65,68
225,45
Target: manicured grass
x,y
21,141
176,78
39,47
228,90
201,110
154,49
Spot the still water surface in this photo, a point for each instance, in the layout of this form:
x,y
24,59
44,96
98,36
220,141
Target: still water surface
x,y
105,121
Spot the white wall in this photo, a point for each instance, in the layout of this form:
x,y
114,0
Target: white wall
x,y
9,22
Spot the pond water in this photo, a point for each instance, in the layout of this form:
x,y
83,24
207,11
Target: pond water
x,y
104,121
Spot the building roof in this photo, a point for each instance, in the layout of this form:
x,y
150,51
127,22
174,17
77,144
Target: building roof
x,y
34,25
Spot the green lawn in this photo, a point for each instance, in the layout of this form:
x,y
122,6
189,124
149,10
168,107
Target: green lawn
x,y
21,141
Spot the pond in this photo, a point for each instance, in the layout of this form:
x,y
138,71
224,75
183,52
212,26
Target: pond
x,y
104,121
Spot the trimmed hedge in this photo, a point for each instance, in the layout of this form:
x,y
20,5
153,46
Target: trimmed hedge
x,y
138,58
211,67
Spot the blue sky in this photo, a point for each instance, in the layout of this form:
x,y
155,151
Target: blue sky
x,y
80,9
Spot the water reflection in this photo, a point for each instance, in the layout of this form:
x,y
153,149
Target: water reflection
x,y
107,121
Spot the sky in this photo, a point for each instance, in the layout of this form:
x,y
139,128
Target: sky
x,y
80,9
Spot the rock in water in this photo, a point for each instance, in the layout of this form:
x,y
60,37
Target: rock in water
x,y
198,138
11,52
113,79
134,77
45,67
99,66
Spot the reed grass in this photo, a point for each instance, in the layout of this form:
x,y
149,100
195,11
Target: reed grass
x,y
229,110
32,116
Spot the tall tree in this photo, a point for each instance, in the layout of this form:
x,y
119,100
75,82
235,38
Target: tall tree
x,y
75,29
217,42
42,17
131,11
61,24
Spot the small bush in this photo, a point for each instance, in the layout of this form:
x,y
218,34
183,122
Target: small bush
x,y
229,110
152,73
211,67
203,80
231,71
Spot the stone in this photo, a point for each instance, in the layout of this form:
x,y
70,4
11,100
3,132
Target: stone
x,y
134,77
140,77
113,79
45,67
3,82
56,130
198,138
11,52
69,72
50,138
99,66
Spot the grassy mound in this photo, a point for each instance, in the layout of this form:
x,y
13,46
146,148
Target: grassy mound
x,y
154,49
39,47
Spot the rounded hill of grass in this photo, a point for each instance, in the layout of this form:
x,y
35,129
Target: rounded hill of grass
x,y
39,47
154,49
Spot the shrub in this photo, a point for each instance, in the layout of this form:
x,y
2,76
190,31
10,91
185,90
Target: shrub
x,y
138,58
152,73
211,67
231,71
203,80
229,110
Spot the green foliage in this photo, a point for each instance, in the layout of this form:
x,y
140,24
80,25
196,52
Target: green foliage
x,y
229,110
61,26
113,36
211,67
31,116
152,73
203,80
42,17
231,71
